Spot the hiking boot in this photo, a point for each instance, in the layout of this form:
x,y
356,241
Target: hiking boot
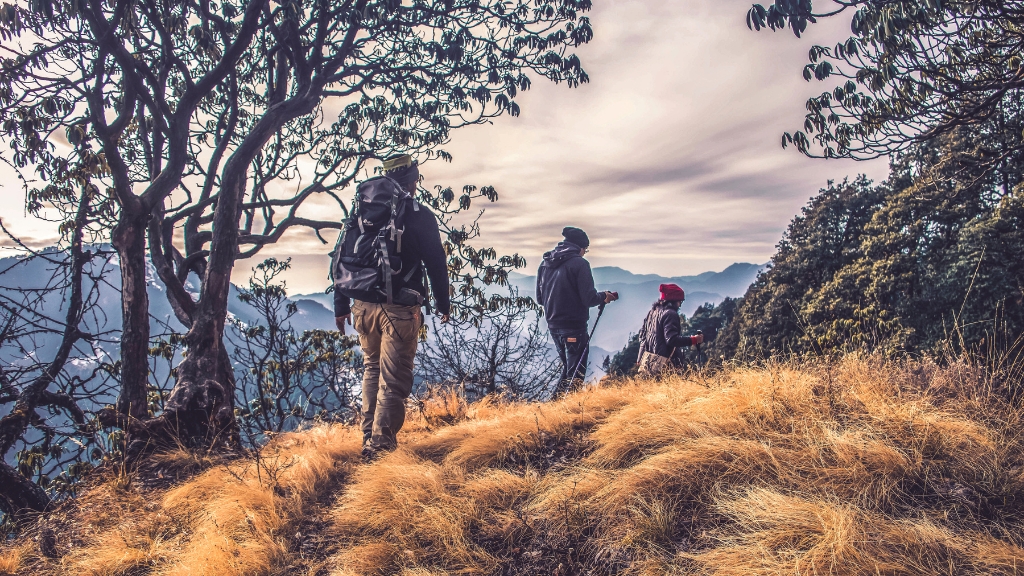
x,y
373,451
369,454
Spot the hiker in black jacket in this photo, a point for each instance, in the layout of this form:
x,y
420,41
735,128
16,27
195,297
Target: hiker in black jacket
x,y
565,288
661,338
388,333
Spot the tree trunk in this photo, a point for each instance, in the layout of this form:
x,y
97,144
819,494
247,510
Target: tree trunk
x,y
19,493
129,238
201,408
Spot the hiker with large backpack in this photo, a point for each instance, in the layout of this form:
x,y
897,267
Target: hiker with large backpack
x,y
387,242
565,288
661,337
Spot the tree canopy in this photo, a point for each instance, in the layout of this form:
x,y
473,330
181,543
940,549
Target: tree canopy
x,y
925,259
911,70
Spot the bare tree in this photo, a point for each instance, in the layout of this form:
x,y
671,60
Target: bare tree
x,y
51,374
506,353
286,378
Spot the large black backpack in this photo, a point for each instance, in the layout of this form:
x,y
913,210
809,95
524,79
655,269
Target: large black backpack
x,y
367,258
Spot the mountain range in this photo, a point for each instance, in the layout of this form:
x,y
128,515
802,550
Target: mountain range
x,y
22,278
315,311
621,318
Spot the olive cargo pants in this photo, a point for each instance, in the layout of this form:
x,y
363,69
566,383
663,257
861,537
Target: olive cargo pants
x,y
388,335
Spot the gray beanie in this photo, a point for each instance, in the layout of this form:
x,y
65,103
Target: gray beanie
x,y
576,236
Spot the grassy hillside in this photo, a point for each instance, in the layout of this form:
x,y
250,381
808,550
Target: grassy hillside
x,y
851,468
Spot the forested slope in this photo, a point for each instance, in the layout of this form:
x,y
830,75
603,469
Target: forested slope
x,y
924,262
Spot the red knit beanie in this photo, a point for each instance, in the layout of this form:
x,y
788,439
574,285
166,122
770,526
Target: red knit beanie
x,y
671,293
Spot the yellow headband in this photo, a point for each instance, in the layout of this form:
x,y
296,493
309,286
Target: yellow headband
x,y
396,162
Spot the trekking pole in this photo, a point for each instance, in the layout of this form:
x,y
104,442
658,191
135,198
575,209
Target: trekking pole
x,y
600,310
701,333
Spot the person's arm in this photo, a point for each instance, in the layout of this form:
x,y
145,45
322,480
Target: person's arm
x,y
540,285
435,260
342,310
672,332
342,304
589,295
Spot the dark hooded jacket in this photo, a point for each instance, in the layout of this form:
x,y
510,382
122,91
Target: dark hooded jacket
x,y
565,288
662,333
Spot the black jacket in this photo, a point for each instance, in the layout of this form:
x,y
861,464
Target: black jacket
x,y
565,288
663,331
421,242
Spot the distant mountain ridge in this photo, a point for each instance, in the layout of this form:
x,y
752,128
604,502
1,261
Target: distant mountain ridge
x,y
636,293
316,311
20,274
731,282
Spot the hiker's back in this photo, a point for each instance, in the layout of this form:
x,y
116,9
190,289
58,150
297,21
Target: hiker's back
x,y
378,255
661,337
565,287
387,243
653,333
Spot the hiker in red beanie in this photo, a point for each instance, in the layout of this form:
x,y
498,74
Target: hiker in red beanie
x,y
661,338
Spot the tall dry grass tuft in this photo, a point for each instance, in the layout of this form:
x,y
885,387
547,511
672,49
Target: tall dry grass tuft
x,y
774,533
414,506
497,433
852,467
441,406
237,517
12,559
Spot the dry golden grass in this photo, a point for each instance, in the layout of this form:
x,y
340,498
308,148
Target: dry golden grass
x,y
855,467
237,517
850,468
12,559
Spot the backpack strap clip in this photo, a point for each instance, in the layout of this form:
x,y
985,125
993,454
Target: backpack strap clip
x,y
396,235
386,265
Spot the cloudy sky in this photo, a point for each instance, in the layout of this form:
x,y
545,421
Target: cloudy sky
x,y
669,158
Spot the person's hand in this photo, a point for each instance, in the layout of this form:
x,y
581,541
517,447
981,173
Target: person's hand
x,y
696,339
445,318
340,321
610,297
